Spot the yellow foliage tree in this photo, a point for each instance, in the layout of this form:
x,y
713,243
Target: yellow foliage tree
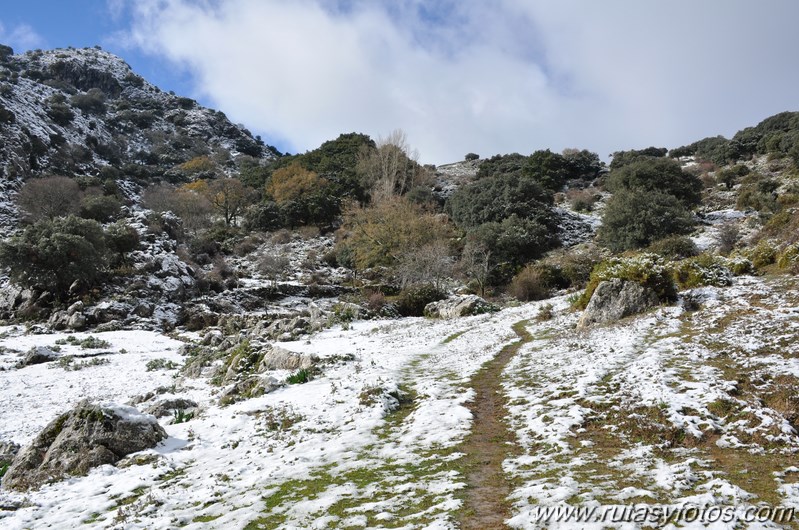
x,y
228,196
384,233
293,182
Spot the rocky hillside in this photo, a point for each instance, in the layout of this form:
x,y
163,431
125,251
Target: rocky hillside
x,y
85,112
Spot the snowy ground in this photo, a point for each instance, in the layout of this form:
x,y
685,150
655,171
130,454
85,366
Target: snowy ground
x,y
670,407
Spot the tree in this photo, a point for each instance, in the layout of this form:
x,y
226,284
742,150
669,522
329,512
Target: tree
x,y
274,266
228,196
493,199
582,164
102,208
49,197
294,182
657,175
549,169
383,234
476,263
193,208
52,254
635,218
121,238
429,264
391,168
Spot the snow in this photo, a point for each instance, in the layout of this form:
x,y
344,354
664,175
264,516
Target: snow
x,y
341,450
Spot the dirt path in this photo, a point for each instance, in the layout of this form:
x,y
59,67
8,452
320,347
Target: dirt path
x,y
489,444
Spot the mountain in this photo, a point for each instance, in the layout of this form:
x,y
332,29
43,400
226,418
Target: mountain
x,y
86,112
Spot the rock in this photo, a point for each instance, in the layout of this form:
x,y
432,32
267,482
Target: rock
x,y
615,299
8,450
58,320
167,407
74,308
86,437
459,306
77,321
38,355
197,318
251,387
144,309
277,358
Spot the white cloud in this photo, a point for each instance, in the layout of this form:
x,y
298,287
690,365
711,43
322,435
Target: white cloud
x,y
489,77
21,37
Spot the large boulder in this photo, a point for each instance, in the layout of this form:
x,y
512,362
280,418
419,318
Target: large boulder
x,y
90,435
277,358
615,299
38,355
458,306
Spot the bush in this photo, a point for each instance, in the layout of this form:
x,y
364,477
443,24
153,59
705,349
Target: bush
x,y
789,257
657,175
701,270
514,241
762,255
495,199
674,248
101,208
92,101
49,197
412,300
634,219
471,156
52,254
648,270
531,283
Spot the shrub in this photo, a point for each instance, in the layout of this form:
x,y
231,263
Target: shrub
x,y
531,283
662,175
674,247
701,270
762,255
49,197
101,208
648,270
92,101
495,199
412,300
299,377
121,238
582,200
634,219
383,234
789,257
52,254
471,156
514,240
264,216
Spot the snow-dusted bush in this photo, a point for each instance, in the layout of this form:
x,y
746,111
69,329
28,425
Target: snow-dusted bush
x,y
705,269
789,257
761,255
648,270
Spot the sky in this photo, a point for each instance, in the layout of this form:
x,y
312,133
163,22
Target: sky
x,y
458,76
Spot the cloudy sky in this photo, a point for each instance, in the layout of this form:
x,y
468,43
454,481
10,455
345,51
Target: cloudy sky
x,y
458,76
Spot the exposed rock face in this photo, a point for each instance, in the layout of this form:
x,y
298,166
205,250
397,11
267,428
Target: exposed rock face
x,y
167,407
277,358
38,355
251,387
8,450
76,441
458,306
615,299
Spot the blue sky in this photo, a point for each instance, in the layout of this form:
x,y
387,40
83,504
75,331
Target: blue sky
x,y
458,76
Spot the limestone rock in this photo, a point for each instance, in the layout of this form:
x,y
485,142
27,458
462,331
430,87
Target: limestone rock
x,y
38,355
615,299
76,441
458,306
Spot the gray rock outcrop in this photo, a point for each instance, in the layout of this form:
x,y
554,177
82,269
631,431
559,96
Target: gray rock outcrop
x,y
76,441
38,355
615,299
458,306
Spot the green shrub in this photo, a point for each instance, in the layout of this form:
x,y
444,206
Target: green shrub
x,y
657,175
412,300
101,208
762,255
674,247
739,265
648,270
789,257
634,219
514,241
52,254
705,269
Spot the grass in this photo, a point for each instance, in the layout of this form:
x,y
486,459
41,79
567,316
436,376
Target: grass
x,y
455,336
300,377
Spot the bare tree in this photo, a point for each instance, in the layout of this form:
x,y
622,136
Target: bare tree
x,y
49,197
193,208
476,264
429,264
274,266
390,169
727,237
